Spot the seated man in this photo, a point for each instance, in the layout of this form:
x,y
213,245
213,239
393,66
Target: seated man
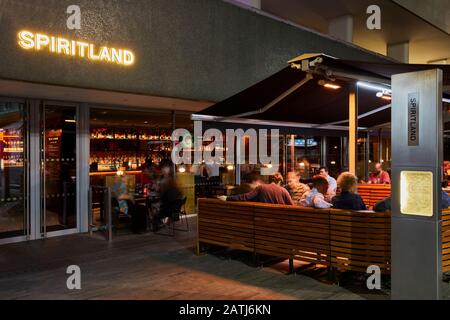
x,y
315,197
295,188
348,199
332,185
385,204
253,180
379,176
267,193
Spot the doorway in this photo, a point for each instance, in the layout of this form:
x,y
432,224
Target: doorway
x,y
58,168
39,170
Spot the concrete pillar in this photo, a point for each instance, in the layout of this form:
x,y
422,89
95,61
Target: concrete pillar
x,y
341,28
399,51
252,3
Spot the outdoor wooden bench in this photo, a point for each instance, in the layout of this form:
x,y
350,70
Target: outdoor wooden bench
x,y
445,240
339,239
372,193
360,239
228,224
284,231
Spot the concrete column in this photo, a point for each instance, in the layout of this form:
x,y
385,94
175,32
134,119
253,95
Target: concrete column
x,y
341,28
399,51
252,3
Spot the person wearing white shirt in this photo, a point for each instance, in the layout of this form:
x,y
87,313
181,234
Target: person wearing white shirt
x,y
332,184
315,197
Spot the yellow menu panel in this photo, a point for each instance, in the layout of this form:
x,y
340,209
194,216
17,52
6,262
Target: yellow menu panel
x,y
416,193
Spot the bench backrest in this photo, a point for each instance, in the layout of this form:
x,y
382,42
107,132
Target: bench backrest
x,y
284,231
347,240
372,193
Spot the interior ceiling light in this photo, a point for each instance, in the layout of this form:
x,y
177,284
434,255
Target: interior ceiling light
x,y
370,86
388,92
384,95
329,85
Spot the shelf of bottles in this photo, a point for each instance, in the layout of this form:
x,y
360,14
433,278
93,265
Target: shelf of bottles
x,y
12,147
112,148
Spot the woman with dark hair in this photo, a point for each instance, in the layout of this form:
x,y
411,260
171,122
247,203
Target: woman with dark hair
x,y
169,193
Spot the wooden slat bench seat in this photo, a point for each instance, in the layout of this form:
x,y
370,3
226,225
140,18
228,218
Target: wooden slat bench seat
x,y
360,239
226,224
285,231
372,193
446,240
340,239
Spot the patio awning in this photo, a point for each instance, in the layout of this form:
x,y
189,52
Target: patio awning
x,y
290,99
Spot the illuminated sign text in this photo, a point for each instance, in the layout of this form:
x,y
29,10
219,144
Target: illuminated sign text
x,y
42,42
413,119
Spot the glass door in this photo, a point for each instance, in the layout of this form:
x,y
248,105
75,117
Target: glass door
x,y
14,222
58,169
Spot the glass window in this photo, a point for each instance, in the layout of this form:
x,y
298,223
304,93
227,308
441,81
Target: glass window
x,y
334,156
303,155
13,130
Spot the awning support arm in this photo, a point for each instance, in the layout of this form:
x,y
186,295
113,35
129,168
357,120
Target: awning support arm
x,y
361,116
291,90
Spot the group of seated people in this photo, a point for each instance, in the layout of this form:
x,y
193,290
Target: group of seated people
x,y
321,195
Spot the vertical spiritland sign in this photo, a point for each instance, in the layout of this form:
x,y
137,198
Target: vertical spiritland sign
x,y
413,119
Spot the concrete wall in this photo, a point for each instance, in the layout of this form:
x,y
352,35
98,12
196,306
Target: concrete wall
x,y
436,12
192,49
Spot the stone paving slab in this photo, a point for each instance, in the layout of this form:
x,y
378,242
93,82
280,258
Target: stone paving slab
x,y
151,266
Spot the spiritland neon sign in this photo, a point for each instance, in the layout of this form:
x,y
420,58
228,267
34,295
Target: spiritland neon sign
x,y
41,42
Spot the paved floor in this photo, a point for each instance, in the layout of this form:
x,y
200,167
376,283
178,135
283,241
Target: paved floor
x,y
151,266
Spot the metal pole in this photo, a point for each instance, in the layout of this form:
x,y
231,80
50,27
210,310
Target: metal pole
x,y
353,130
65,203
43,181
285,171
90,213
367,157
380,144
324,152
108,213
292,152
237,166
174,116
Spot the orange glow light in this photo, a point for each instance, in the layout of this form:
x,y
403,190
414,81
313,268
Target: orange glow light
x,y
332,86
